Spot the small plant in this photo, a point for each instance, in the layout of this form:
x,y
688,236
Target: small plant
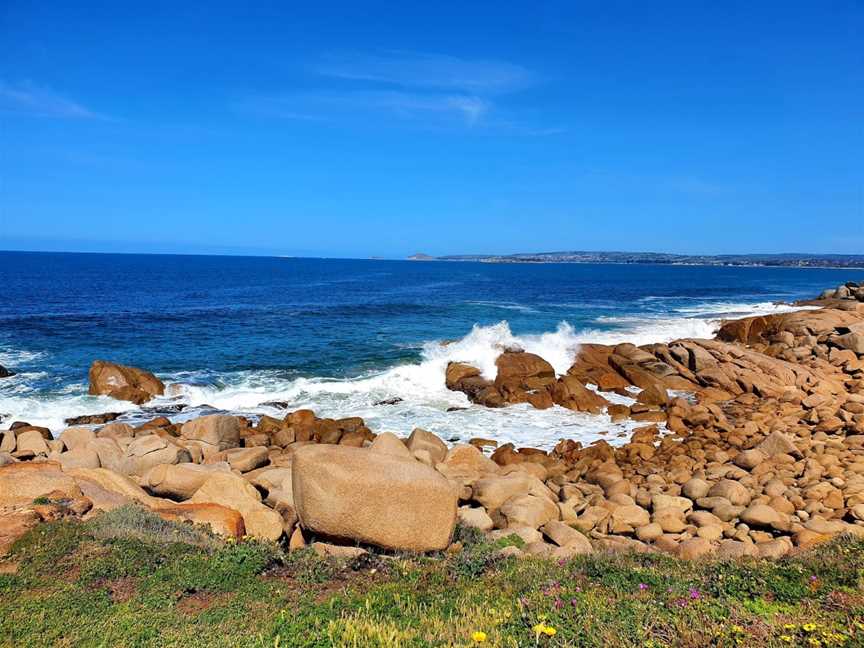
x,y
468,535
308,567
133,521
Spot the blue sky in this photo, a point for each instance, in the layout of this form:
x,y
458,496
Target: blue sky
x,y
358,129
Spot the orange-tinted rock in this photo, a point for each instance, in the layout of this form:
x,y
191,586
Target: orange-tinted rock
x,y
569,392
124,383
221,519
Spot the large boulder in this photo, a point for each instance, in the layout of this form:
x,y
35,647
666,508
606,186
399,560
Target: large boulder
x,y
375,498
151,450
212,433
524,378
492,491
231,491
526,370
33,442
731,490
21,483
529,510
123,383
5,373
247,459
180,481
77,437
79,458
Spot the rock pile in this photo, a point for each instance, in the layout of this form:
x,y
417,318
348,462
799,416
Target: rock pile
x,y
753,444
522,378
851,290
238,478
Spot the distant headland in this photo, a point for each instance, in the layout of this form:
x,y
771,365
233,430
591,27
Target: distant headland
x,y
792,260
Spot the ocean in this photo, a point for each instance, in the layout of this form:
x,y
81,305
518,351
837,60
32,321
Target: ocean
x,y
346,337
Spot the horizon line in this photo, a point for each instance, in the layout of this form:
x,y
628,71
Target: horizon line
x,y
444,257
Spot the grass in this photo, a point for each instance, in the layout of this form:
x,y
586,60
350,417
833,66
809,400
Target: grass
x,y
129,579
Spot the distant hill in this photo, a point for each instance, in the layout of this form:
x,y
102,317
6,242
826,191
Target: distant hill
x,y
795,260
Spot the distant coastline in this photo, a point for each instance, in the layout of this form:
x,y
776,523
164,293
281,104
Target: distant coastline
x,y
790,260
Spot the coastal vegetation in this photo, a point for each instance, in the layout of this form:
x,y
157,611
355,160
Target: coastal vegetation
x,y
127,578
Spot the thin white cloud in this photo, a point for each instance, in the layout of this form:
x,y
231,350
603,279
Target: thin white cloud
x,y
347,105
27,98
427,90
421,70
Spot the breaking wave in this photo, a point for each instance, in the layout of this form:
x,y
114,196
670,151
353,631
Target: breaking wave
x,y
400,397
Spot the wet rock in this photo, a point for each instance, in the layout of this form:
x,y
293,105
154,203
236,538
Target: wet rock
x,y
569,392
93,419
124,383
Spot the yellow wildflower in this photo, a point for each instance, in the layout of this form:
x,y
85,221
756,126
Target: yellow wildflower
x,y
542,628
479,636
786,638
814,642
808,627
789,626
737,629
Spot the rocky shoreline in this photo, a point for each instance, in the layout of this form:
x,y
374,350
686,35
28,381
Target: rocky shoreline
x,y
752,445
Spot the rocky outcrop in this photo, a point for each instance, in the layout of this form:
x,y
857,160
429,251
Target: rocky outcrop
x,y
124,383
763,456
850,291
6,373
523,378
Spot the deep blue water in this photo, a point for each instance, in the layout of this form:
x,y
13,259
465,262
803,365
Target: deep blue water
x,y
231,321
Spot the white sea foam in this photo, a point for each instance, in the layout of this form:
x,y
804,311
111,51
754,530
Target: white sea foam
x,y
11,358
732,309
52,410
422,400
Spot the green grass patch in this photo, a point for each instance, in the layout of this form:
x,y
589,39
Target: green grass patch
x,y
130,579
